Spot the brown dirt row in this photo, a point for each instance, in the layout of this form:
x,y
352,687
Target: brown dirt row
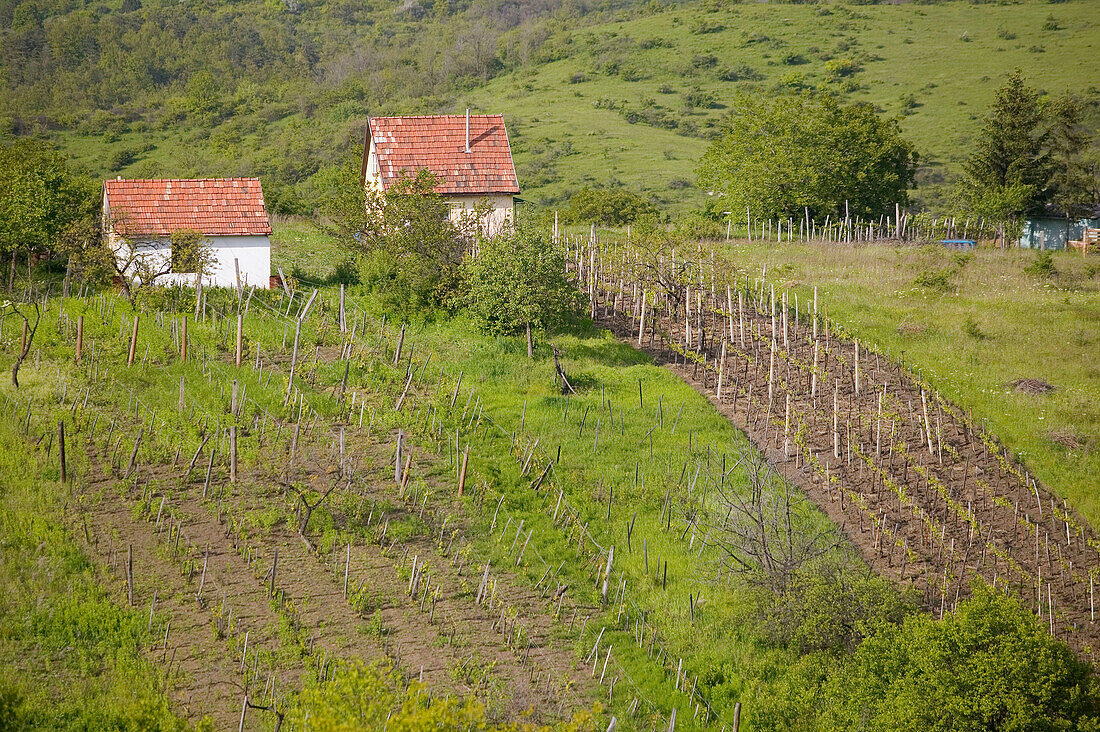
x,y
203,675
934,519
464,633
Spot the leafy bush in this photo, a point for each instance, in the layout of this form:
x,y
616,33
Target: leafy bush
x,y
840,68
1042,266
988,665
740,72
608,206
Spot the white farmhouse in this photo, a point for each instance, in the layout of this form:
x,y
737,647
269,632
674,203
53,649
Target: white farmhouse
x,y
470,155
141,215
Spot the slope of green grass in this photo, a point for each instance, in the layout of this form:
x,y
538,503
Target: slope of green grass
x,y
630,101
984,322
936,64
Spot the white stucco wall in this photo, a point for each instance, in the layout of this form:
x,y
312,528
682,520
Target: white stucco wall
x,y
501,211
252,254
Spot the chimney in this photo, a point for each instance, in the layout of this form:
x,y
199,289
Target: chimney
x,y
467,129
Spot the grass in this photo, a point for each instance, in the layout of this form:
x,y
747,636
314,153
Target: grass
x,y
974,325
935,65
71,657
978,326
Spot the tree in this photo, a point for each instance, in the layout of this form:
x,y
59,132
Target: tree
x,y
21,311
1010,154
1072,187
988,665
40,199
610,206
410,250
778,156
517,281
769,533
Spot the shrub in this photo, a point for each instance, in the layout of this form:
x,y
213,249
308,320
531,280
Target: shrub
x,y
608,206
988,665
1042,266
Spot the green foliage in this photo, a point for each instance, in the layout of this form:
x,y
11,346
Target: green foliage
x,y
1009,167
779,155
41,198
70,657
1042,266
517,279
410,252
972,329
988,665
190,253
607,206
371,697
833,607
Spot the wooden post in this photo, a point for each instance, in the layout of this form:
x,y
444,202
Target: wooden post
x,y
232,454
181,393
721,369
736,716
813,372
79,337
397,461
61,449
183,342
400,343
133,342
836,420
240,336
274,566
787,428
741,315
855,365
130,573
343,312
607,573
462,471
641,320
293,362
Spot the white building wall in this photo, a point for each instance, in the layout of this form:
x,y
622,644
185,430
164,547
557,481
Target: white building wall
x,y
500,213
252,254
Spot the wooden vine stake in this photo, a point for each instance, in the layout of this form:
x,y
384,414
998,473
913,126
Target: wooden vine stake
x,y
462,470
133,342
61,449
232,454
130,573
397,460
240,337
79,337
836,420
183,342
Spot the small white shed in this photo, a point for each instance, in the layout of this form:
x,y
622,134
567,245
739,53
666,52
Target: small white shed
x,y
141,215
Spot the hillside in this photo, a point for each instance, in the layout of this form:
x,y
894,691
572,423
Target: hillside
x,y
600,94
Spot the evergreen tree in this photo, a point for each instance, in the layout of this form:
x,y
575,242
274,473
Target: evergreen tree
x,y
1011,150
1072,186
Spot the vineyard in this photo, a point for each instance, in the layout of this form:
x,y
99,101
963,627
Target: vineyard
x,y
926,494
283,484
285,494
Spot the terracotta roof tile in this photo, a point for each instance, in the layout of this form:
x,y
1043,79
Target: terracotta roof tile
x,y
438,143
214,206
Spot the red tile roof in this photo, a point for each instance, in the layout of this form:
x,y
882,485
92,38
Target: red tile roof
x,y
213,206
438,143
